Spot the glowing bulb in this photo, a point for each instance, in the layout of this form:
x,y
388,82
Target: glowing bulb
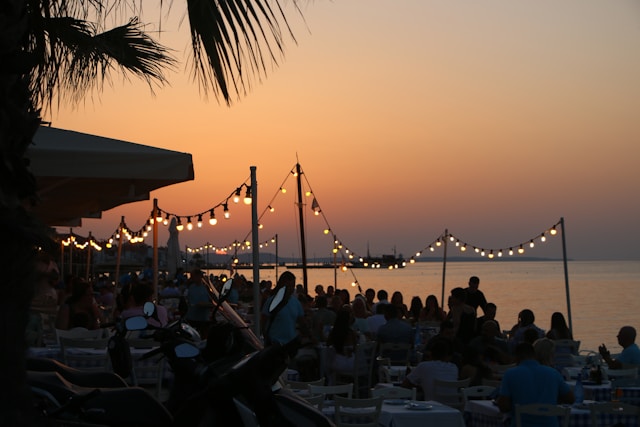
x,y
271,209
179,226
260,226
226,211
463,248
543,238
491,255
553,231
418,253
158,216
166,220
326,231
520,250
510,251
438,242
477,250
431,248
189,224
283,190
531,244
212,218
307,193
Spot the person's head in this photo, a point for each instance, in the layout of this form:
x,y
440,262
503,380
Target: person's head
x,y
287,279
526,317
319,290
345,295
431,303
490,310
474,283
544,349
141,293
441,350
370,294
81,292
391,312
382,295
359,307
416,306
626,336
458,296
330,291
336,303
558,322
397,298
524,351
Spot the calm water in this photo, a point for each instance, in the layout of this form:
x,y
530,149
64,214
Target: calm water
x,y
604,294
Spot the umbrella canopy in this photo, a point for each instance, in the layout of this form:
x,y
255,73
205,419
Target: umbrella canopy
x,y
80,175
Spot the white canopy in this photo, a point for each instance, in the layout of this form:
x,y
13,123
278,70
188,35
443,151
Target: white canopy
x,y
80,175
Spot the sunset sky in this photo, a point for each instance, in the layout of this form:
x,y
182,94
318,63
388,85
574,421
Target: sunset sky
x,y
491,119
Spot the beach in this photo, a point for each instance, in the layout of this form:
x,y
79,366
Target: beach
x,y
604,294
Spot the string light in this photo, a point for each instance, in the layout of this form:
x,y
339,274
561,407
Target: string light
x,y
247,196
200,221
236,197
212,217
179,226
189,224
225,209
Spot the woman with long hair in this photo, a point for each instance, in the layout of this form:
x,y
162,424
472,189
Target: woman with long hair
x,y
343,340
80,309
431,311
559,329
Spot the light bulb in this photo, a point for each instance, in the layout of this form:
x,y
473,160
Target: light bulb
x,y
199,221
189,224
553,231
283,190
531,244
510,251
271,209
166,220
179,226
543,238
520,250
212,218
225,208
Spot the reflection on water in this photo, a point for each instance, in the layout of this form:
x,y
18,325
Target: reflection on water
x,y
604,294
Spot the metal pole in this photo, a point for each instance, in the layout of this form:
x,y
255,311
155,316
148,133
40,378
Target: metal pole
x,y
86,275
302,241
71,243
335,263
256,251
444,266
155,249
566,273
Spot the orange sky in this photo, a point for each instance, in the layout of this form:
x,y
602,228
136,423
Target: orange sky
x,y
492,119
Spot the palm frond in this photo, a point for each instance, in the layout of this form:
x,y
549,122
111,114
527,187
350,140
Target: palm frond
x,y
233,41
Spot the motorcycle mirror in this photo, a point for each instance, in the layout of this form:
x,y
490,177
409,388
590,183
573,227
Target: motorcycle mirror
x,y
277,298
226,288
149,308
136,323
186,350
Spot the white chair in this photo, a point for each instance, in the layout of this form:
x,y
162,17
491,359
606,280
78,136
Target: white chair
x,y
149,371
315,400
83,333
450,392
344,390
394,392
479,392
614,409
302,385
357,412
564,353
543,410
86,354
362,368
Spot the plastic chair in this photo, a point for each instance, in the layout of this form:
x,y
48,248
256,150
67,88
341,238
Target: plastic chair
x,y
303,385
394,392
564,353
613,409
450,392
332,390
362,368
479,392
149,371
357,412
616,374
543,410
315,400
85,354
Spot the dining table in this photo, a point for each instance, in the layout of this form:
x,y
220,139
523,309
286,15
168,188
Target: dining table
x,y
485,413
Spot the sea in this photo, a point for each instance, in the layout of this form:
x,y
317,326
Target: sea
x,y
602,295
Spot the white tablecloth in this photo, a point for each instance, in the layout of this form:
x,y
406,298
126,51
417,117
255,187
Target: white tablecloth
x,y
438,415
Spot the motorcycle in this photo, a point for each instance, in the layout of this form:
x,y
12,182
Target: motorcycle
x,y
229,379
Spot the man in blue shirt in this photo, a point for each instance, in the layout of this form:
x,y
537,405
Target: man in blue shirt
x,y
531,382
630,355
282,325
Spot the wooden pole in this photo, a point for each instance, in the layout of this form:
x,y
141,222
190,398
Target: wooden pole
x,y
566,274
444,266
86,275
155,249
119,250
255,242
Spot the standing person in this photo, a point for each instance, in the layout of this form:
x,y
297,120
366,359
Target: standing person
x,y
199,302
462,315
475,298
490,311
630,354
531,382
281,325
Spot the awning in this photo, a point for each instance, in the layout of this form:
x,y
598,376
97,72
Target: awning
x,y
80,175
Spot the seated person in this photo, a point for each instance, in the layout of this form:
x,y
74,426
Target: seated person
x,y
531,382
630,355
439,366
490,346
141,293
80,309
526,320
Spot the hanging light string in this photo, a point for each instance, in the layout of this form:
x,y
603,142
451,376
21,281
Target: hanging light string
x,y
235,196
490,253
80,242
132,237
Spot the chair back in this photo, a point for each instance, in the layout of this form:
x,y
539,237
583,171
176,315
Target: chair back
x,y
478,392
564,353
357,412
399,353
315,400
362,371
394,392
149,371
450,392
616,374
303,385
87,354
79,333
615,412
331,390
542,410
